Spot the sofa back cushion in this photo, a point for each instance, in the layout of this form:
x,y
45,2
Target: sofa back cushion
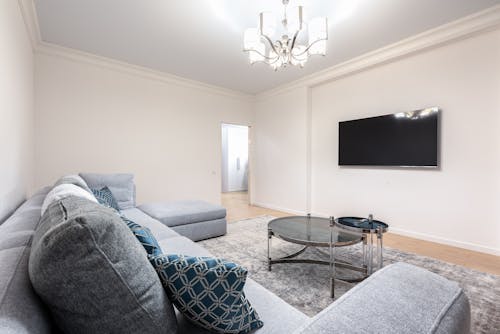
x,y
121,185
21,310
94,275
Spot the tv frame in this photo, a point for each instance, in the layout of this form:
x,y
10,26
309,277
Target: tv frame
x,y
410,114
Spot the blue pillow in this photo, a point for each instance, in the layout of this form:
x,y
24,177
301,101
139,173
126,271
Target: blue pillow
x,y
105,197
145,237
208,291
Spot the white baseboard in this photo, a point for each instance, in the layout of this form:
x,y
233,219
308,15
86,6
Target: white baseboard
x,y
278,208
412,234
446,241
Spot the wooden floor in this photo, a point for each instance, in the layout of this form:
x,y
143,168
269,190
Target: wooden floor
x,y
238,208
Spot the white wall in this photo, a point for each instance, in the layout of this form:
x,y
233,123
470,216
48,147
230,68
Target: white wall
x,y
16,109
98,119
280,180
458,204
460,201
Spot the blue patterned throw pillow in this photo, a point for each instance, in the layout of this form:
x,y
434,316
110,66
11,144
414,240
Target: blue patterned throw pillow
x,y
208,291
106,198
145,237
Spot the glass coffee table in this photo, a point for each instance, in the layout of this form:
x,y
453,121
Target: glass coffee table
x,y
312,231
370,228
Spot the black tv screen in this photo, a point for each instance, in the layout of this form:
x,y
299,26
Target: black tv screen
x,y
407,139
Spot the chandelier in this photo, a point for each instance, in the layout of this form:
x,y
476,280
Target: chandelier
x,y
291,48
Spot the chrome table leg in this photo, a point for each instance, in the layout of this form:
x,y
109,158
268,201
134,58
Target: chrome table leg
x,y
332,260
380,249
269,236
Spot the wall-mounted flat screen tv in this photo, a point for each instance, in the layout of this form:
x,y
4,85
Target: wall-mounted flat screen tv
x,y
407,139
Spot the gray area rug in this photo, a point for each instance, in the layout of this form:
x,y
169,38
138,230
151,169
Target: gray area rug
x,y
305,286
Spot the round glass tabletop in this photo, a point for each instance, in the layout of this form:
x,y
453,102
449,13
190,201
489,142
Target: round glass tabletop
x,y
308,230
363,225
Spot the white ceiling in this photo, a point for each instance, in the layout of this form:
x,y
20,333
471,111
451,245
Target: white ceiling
x,y
202,39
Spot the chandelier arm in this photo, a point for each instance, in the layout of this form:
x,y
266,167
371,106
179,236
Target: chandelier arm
x,y
270,43
274,61
294,39
260,53
310,45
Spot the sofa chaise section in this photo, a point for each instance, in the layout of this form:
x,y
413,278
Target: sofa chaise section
x,y
194,219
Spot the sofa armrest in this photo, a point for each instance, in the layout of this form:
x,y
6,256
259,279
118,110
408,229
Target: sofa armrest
x,y
400,298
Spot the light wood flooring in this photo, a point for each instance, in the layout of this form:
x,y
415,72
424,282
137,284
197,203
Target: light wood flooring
x,y
238,208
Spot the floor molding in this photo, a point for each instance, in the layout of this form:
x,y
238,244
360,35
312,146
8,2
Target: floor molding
x,y
446,241
279,208
399,231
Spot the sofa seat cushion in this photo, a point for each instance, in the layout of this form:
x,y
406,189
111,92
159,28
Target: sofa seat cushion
x,y
400,298
183,212
182,245
94,275
159,230
278,316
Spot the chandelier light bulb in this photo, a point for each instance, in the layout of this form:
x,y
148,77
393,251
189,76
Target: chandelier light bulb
x,y
267,24
318,33
295,20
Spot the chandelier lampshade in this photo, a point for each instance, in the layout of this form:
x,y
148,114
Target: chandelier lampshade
x,y
318,33
262,45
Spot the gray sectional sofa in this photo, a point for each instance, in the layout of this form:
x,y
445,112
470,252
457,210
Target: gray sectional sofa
x,y
400,298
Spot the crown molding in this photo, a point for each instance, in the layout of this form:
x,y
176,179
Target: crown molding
x,y
28,11
30,18
479,22
116,65
483,21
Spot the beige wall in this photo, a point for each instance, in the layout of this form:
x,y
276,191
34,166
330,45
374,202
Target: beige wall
x,y
16,109
458,204
281,151
98,119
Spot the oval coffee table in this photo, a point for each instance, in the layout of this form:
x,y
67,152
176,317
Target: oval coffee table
x,y
312,231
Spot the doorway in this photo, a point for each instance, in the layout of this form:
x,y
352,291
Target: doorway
x,y
234,158
235,167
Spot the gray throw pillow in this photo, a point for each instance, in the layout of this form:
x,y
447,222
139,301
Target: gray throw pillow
x,y
73,179
94,275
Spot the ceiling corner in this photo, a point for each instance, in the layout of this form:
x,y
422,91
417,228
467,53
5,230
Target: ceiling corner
x,y
28,12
